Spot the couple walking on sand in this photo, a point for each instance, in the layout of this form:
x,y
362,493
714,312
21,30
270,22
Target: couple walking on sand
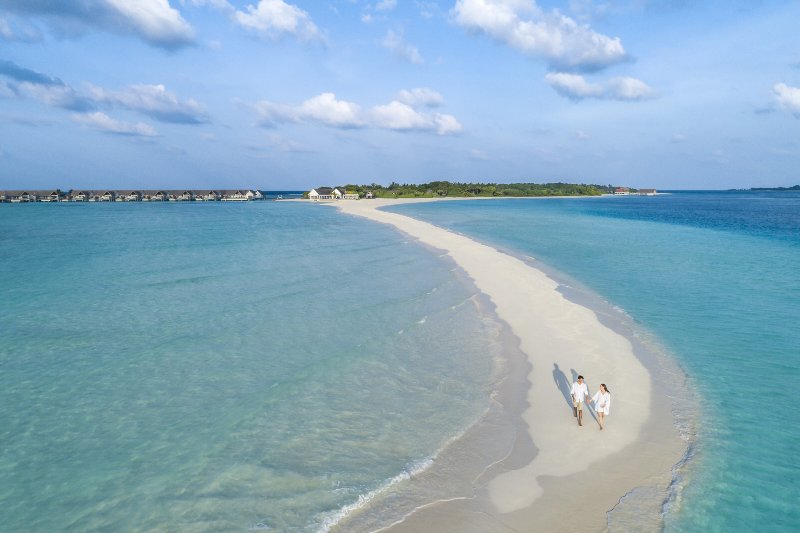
x,y
601,401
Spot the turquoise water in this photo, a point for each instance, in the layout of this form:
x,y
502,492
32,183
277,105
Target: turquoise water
x,y
715,277
222,367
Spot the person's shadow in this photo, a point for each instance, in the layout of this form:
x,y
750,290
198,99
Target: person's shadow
x,y
563,385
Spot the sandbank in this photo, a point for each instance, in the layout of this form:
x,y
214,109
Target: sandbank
x,y
574,475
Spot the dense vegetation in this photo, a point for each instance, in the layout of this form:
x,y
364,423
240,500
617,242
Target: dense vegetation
x,y
792,188
454,189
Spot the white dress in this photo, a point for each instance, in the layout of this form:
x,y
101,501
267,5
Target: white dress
x,y
602,401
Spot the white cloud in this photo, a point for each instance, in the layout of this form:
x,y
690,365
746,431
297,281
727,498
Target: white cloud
x,y
574,86
447,124
422,96
385,5
326,109
626,88
274,18
787,97
521,24
394,42
27,83
219,4
271,114
155,21
62,96
101,121
399,116
154,101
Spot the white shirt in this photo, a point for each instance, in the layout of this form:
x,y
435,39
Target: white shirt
x,y
579,391
602,401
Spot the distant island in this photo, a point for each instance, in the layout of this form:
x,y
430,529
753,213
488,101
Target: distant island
x,y
436,189
792,188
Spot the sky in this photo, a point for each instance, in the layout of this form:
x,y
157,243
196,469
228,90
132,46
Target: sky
x,y
292,94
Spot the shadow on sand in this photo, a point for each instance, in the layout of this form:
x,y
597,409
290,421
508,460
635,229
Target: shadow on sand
x,y
563,385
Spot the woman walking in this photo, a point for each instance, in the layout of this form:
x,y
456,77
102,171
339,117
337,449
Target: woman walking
x,y
602,401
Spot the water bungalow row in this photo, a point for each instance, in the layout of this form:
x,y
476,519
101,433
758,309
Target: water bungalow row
x,y
227,195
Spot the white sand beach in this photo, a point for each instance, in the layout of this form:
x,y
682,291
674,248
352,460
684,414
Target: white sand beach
x,y
578,473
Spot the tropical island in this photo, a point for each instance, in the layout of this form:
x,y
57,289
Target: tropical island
x,y
792,188
436,189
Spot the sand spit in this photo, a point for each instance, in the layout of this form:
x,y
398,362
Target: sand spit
x,y
578,474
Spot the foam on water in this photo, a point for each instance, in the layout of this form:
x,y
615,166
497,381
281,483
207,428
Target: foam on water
x,y
333,519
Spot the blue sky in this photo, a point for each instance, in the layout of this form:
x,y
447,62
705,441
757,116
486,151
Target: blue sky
x,y
290,94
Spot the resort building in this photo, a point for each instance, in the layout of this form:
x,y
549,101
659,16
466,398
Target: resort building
x,y
340,193
238,195
206,196
30,196
180,196
129,196
647,192
13,196
52,196
328,193
622,191
321,193
105,196
80,196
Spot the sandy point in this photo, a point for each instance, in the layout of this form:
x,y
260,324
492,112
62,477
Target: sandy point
x,y
578,473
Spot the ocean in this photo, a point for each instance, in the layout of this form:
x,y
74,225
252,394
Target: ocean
x,y
223,366
280,366
712,279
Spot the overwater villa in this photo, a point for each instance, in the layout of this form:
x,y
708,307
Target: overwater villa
x,y
80,196
29,196
234,196
206,196
231,195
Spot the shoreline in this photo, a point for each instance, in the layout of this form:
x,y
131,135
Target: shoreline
x,y
557,476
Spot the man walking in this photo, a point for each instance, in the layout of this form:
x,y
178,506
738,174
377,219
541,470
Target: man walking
x,y
579,393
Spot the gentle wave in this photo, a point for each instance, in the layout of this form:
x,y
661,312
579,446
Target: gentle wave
x,y
364,499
